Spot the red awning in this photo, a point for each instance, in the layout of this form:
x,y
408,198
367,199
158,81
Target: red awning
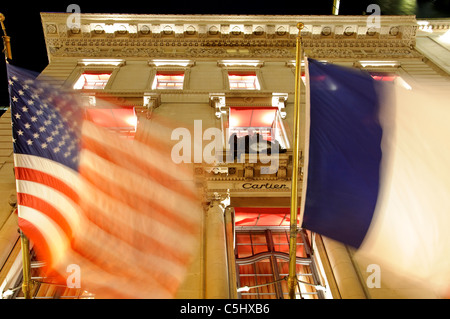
x,y
252,117
264,216
123,120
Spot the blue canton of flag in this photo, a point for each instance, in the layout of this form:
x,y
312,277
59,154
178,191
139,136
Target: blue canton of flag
x,y
45,123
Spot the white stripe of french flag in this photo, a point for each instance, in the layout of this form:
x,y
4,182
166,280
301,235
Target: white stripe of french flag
x,y
378,173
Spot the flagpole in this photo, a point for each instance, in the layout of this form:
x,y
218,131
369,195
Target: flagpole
x,y
26,282
25,244
292,278
6,39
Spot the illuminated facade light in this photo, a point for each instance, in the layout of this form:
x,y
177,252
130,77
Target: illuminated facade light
x,y
368,63
112,62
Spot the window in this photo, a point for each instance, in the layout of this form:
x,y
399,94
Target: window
x,y
378,76
390,77
168,80
92,81
243,81
120,120
255,129
262,265
261,252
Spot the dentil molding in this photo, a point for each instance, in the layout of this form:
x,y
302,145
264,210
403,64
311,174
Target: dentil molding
x,y
225,36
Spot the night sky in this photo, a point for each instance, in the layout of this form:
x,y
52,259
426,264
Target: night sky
x,y
23,23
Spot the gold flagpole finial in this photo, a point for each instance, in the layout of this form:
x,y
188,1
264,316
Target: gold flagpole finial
x,y
6,39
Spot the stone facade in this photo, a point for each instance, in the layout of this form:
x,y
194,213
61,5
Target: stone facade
x,y
130,45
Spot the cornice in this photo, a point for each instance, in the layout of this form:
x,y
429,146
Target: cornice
x,y
224,36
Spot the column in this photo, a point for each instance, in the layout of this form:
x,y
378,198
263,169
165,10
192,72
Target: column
x,y
216,253
344,272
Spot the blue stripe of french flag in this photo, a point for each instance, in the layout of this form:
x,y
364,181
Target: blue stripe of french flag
x,y
377,170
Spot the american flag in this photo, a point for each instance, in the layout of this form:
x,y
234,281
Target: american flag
x,y
120,210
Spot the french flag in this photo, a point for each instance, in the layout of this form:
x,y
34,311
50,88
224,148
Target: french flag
x,y
377,170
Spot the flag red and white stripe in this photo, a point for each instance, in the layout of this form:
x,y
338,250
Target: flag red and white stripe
x,y
120,210
129,218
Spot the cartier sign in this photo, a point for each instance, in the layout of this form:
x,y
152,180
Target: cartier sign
x,y
250,186
261,186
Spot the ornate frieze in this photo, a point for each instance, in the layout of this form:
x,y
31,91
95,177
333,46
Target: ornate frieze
x,y
225,36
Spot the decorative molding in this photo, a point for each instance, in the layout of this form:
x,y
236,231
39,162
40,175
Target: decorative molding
x,y
225,36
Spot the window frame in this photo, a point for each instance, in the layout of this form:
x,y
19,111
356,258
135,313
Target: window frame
x,y
168,73
170,66
92,73
388,68
275,258
97,67
241,66
256,82
277,131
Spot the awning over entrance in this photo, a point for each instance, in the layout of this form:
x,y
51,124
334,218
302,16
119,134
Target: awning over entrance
x,y
121,120
252,116
264,216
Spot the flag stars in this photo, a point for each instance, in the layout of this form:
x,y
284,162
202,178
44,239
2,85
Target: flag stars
x,y
20,132
42,129
20,92
17,116
34,119
30,102
44,145
49,139
36,135
15,99
24,109
27,125
30,142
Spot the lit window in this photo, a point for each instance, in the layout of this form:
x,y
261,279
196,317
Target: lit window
x,y
243,81
390,77
262,259
168,80
122,120
383,76
256,130
92,81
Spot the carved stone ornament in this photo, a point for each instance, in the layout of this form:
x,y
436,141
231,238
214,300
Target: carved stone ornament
x,y
224,36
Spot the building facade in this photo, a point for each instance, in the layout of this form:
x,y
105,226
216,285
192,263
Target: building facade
x,y
235,74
